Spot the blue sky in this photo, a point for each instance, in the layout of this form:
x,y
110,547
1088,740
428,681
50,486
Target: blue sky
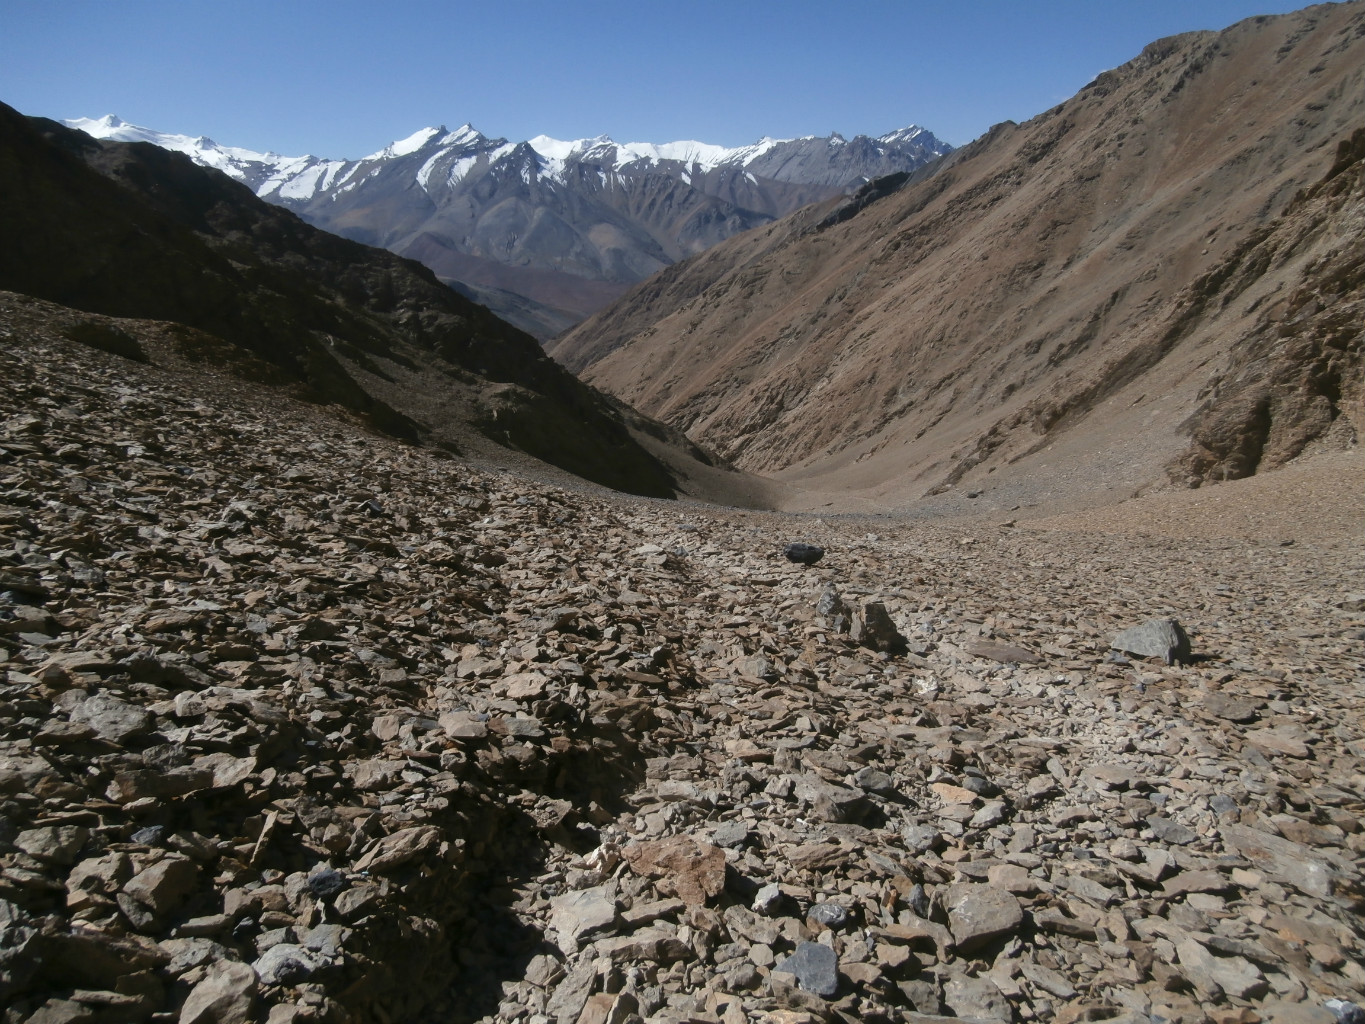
x,y
344,78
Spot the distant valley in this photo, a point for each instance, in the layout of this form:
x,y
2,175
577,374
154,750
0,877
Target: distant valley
x,y
1156,283
544,232
1160,281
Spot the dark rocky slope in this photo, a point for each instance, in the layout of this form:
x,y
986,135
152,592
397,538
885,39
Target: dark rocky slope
x,y
130,230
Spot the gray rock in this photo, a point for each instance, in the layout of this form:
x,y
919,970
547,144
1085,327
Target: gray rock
x,y
569,996
190,952
730,834
288,964
991,813
979,913
768,900
524,728
829,801
112,719
918,901
976,998
745,924
577,915
1286,861
327,939
62,1011
803,554
1216,976
544,970
816,969
1169,831
152,835
873,628
326,884
831,605
164,885
920,838
1156,638
57,844
1048,980
831,915
874,780
21,952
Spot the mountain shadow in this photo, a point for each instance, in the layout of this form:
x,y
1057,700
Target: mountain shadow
x,y
131,230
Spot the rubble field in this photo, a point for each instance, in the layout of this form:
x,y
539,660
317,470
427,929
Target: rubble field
x,y
303,724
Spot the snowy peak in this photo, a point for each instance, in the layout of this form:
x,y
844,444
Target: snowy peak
x,y
465,135
561,225
404,147
908,134
203,149
247,166
435,157
700,156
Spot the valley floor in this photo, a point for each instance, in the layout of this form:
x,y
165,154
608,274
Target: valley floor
x,y
301,724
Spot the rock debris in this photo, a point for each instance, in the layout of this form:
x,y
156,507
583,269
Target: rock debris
x,y
301,724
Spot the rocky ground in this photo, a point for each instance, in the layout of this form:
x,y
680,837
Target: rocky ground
x,y
302,724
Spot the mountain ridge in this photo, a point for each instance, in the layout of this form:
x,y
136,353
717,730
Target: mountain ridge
x,y
132,231
564,227
1051,310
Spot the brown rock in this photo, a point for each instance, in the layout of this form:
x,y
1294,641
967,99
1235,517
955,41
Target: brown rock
x,y
395,850
993,650
681,866
1228,708
951,794
979,913
164,885
1286,740
224,996
818,856
648,945
1195,881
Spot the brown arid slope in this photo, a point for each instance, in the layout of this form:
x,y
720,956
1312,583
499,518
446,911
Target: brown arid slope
x,y
1158,282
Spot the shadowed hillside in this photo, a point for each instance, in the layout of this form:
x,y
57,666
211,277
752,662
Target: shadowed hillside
x,y
130,230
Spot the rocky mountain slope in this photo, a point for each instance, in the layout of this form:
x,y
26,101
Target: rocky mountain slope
x,y
545,231
130,230
302,724
1157,281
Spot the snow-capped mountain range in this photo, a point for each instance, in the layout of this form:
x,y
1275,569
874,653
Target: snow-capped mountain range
x,y
545,231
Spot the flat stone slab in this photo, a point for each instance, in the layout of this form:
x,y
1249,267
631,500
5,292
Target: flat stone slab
x,y
1006,654
582,913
